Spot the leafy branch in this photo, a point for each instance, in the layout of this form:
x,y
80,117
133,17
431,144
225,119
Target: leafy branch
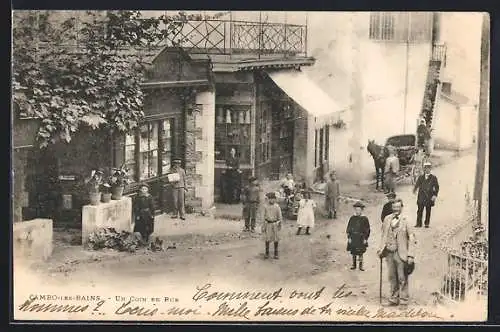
x,y
86,70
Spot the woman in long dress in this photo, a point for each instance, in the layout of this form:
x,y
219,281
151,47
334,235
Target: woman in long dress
x,y
305,217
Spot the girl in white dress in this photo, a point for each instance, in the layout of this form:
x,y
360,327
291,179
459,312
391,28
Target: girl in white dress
x,y
305,217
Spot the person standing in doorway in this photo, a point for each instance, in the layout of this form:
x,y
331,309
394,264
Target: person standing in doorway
x,y
305,216
387,208
358,232
332,196
233,176
396,246
178,189
271,225
391,169
143,208
251,201
428,189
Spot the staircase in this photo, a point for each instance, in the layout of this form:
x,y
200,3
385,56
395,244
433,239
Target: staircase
x,y
436,63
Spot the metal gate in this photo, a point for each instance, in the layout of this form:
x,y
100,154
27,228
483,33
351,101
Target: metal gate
x,y
466,263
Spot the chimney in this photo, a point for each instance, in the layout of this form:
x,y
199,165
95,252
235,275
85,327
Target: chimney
x,y
446,88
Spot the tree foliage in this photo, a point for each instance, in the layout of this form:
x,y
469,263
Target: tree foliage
x,y
85,70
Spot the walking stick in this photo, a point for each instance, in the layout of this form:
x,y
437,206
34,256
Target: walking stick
x,y
380,282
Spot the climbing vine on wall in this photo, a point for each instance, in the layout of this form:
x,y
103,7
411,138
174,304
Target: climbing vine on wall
x,y
91,80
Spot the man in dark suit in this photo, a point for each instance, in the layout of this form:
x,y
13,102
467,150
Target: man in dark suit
x,y
428,189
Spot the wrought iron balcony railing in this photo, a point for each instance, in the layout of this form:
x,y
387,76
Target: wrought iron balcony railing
x,y
237,37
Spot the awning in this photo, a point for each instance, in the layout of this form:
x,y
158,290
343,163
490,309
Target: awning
x,y
308,95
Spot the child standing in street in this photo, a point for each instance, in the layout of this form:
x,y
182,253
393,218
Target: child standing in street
x,y
143,208
358,232
305,216
251,200
271,224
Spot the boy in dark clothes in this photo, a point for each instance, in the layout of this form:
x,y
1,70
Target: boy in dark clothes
x,y
387,209
358,232
144,213
251,201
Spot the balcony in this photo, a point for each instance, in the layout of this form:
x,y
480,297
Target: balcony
x,y
230,37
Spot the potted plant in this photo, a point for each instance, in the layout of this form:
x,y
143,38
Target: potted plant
x,y
118,180
106,192
94,183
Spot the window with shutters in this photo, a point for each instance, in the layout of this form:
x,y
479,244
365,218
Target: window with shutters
x,y
413,27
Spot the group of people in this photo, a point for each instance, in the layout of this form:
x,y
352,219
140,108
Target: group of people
x,y
397,241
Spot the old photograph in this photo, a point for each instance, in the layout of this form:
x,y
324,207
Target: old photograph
x,y
249,166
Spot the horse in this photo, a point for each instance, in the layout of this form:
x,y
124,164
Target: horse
x,y
379,154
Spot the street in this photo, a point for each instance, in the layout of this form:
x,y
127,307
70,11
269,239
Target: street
x,y
305,261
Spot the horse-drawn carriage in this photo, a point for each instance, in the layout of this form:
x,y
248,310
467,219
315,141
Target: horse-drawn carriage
x,y
410,161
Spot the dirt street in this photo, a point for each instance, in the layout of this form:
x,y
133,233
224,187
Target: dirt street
x,y
316,260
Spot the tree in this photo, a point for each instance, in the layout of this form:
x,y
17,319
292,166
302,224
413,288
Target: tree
x,y
84,72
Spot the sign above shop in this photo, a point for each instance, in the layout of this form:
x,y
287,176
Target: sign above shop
x,y
67,177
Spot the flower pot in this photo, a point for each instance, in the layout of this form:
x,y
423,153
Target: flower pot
x,y
117,192
95,198
106,197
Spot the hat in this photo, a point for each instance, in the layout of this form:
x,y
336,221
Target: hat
x,y
176,161
427,163
409,268
143,185
252,178
391,195
271,195
359,204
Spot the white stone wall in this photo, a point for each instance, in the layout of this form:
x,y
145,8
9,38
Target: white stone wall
x,y
205,145
116,214
382,67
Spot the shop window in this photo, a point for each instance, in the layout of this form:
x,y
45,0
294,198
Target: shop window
x,y
167,145
232,130
148,152
130,155
265,131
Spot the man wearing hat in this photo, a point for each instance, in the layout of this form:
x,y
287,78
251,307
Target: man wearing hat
x,y
391,169
271,224
397,247
251,200
428,188
387,208
178,189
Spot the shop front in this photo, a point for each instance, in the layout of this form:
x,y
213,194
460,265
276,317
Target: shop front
x,y
271,123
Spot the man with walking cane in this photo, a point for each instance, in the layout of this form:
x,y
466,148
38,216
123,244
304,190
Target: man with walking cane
x,y
396,247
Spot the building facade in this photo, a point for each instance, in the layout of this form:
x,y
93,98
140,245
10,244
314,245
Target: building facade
x,y
202,98
403,59
392,52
